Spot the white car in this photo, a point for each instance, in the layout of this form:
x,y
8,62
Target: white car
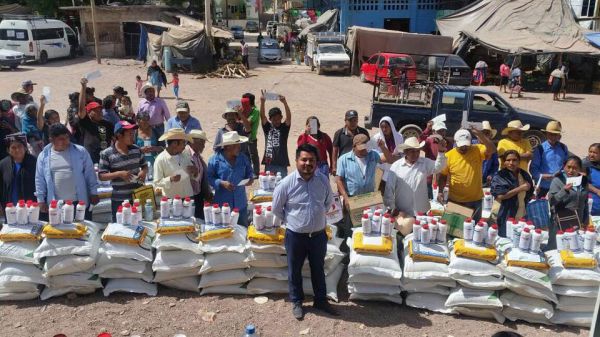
x,y
10,58
331,57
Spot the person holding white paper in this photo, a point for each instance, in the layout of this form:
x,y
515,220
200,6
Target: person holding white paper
x,y
314,136
173,168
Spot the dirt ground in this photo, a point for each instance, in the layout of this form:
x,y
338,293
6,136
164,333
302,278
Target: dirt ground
x,y
327,97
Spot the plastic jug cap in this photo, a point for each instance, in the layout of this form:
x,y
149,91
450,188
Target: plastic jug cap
x,y
177,196
164,199
480,224
468,220
560,232
250,329
538,231
187,199
53,203
226,204
495,226
69,202
386,215
120,208
10,204
425,226
82,203
206,204
529,222
434,222
237,210
526,230
569,230
35,204
365,216
420,213
443,222
134,209
269,208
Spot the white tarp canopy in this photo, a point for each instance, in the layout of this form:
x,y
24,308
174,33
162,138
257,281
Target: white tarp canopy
x,y
518,26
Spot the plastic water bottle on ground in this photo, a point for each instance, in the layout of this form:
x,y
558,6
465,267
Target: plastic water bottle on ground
x,y
250,331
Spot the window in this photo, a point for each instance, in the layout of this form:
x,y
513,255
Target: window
x,y
452,100
401,61
372,60
48,33
381,61
588,8
14,35
487,103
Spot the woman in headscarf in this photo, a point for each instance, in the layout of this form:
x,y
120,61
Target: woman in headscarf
x,y
512,187
591,164
156,76
314,136
391,137
17,172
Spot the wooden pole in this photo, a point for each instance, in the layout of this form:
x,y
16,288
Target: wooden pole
x,y
96,48
207,18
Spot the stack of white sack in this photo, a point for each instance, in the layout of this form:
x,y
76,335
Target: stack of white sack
x,y
426,276
20,272
529,295
69,262
125,259
268,265
374,272
102,212
225,267
576,289
474,268
178,257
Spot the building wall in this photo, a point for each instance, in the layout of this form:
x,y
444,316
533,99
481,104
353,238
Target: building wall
x,y
586,9
110,28
372,13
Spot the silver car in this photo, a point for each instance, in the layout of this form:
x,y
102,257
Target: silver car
x,y
269,51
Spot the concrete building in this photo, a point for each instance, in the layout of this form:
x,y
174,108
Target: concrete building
x,y
587,13
118,30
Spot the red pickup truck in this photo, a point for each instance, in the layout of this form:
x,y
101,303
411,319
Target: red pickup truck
x,y
388,66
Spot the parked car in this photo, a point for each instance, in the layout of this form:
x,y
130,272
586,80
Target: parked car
x,y
252,26
447,68
10,58
270,25
411,118
238,32
269,51
331,57
385,66
38,38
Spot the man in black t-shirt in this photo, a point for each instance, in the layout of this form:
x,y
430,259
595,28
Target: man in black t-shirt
x,y
342,140
276,133
96,132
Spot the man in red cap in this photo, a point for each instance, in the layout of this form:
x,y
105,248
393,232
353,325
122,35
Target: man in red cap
x,y
96,132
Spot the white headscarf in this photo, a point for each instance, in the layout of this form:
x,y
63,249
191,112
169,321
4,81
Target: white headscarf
x,y
398,139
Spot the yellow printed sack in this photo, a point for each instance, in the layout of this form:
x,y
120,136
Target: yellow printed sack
x,y
275,238
541,265
216,234
258,198
65,232
167,227
360,246
117,233
329,232
478,253
570,260
21,233
427,255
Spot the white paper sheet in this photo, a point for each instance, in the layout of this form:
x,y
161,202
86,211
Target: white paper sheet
x,y
373,240
576,181
243,182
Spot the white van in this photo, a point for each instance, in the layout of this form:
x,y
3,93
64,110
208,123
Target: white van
x,y
38,38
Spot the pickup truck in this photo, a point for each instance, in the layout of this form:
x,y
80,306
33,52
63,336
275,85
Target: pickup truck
x,y
411,116
325,51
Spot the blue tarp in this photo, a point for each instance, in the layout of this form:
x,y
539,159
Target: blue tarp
x,y
143,50
594,39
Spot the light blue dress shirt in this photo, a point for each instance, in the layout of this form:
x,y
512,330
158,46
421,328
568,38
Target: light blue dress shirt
x,y
547,159
192,124
302,204
355,181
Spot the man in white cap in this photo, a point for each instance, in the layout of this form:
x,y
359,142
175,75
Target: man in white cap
x,y
548,158
156,107
406,189
200,184
173,168
514,141
464,166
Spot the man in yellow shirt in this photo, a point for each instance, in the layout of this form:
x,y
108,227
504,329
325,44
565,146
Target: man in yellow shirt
x,y
514,141
464,167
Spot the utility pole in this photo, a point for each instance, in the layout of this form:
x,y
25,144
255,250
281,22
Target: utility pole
x,y
207,18
96,48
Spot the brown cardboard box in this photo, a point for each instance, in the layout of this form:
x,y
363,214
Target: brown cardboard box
x,y
455,216
359,202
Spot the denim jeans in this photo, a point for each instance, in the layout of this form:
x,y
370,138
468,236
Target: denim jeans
x,y
277,168
176,91
298,247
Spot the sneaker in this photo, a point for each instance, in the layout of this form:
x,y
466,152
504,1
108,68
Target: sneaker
x,y
326,308
298,311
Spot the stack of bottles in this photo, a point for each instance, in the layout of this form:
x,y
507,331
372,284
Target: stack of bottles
x,y
70,250
102,211
178,256
268,180
426,276
20,273
473,265
575,276
528,295
125,255
376,222
216,216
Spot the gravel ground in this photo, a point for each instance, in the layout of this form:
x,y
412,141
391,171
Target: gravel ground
x,y
327,97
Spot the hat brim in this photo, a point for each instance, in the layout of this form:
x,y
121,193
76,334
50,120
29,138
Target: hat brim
x,y
405,146
15,94
167,136
361,147
224,115
241,140
493,131
505,131
182,110
146,87
462,143
557,132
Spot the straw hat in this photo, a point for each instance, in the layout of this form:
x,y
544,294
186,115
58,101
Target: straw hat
x,y
410,143
515,125
198,134
229,111
554,127
175,134
232,138
147,85
487,126
19,92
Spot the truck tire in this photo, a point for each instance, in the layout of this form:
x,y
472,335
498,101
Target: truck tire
x,y
362,77
319,70
410,130
312,67
43,57
535,138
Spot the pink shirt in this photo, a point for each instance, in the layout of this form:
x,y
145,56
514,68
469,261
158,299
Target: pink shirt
x,y
504,70
157,108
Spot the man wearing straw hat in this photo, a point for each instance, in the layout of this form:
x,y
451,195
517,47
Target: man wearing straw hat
x,y
548,158
514,141
173,168
200,184
243,128
156,107
229,173
406,189
20,98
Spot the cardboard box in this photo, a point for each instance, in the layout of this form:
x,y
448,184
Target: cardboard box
x,y
359,202
455,216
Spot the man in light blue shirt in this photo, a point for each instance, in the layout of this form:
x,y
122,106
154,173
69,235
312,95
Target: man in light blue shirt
x,y
301,200
548,158
183,119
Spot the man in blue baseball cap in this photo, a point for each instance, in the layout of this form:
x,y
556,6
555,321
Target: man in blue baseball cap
x,y
123,164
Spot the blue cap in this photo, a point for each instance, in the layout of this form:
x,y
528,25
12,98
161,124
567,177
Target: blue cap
x,y
123,125
250,329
